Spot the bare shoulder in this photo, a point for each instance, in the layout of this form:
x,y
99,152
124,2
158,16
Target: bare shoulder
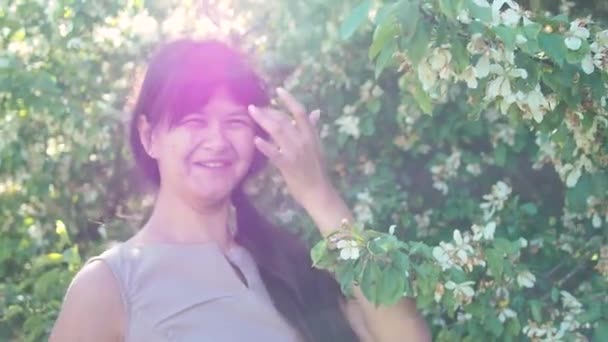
x,y
92,309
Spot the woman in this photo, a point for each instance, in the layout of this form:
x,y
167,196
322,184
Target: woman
x,y
206,266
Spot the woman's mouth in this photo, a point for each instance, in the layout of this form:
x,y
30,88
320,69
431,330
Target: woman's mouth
x,y
214,164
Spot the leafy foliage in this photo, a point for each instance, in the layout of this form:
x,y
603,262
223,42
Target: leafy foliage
x,y
476,132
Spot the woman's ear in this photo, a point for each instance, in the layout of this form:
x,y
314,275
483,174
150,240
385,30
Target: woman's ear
x,y
146,135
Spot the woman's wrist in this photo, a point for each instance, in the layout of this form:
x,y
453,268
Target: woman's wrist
x,y
328,209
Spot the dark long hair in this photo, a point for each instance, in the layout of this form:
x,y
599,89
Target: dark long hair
x,y
180,78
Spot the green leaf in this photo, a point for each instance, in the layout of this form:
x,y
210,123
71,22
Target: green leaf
x,y
495,326
600,333
532,67
554,294
370,281
535,309
592,314
400,260
532,30
529,208
482,13
500,155
561,18
460,55
451,8
418,45
505,246
385,12
392,286
595,83
375,248
507,35
512,329
575,57
384,59
576,197
553,45
318,251
345,274
495,262
422,98
357,17
408,14
383,34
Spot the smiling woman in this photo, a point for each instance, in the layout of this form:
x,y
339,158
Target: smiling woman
x,y
206,265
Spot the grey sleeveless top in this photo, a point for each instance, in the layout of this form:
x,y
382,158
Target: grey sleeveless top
x,y
191,293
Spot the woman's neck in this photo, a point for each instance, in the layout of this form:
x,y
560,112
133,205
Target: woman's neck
x,y
176,220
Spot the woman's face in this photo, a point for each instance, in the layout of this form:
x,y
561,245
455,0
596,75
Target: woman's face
x,y
207,153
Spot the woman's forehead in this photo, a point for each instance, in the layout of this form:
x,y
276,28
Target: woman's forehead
x,y
222,98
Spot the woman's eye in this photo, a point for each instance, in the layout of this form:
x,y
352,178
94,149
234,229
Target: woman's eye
x,y
239,122
194,121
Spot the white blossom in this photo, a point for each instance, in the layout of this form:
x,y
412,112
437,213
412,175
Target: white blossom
x,y
523,242
520,39
349,125
482,68
570,302
469,76
485,232
464,17
534,331
534,102
575,36
36,234
526,279
506,313
509,17
349,249
426,75
144,26
442,256
596,221
463,317
391,229
587,64
488,230
566,6
474,169
463,292
495,200
439,62
363,207
442,172
477,44
501,85
573,177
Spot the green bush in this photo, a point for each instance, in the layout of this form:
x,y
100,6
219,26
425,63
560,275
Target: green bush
x,y
477,134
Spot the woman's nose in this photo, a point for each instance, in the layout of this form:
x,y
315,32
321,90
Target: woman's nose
x,y
214,137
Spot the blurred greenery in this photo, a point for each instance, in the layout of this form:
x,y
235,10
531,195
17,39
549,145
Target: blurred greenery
x,y
68,72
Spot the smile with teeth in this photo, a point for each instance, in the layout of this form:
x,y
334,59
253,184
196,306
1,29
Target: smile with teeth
x,y
213,164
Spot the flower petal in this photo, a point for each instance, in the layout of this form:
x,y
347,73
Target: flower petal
x,y
573,43
587,64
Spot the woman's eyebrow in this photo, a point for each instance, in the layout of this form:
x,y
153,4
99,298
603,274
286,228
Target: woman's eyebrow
x,y
239,112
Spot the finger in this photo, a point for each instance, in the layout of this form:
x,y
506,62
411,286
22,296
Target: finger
x,y
314,121
314,117
268,149
276,124
297,110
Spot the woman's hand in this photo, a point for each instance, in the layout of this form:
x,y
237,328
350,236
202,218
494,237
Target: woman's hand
x,y
295,148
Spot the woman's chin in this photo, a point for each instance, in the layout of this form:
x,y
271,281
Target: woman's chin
x,y
213,192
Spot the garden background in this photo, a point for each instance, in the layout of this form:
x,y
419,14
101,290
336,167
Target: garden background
x,y
468,136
